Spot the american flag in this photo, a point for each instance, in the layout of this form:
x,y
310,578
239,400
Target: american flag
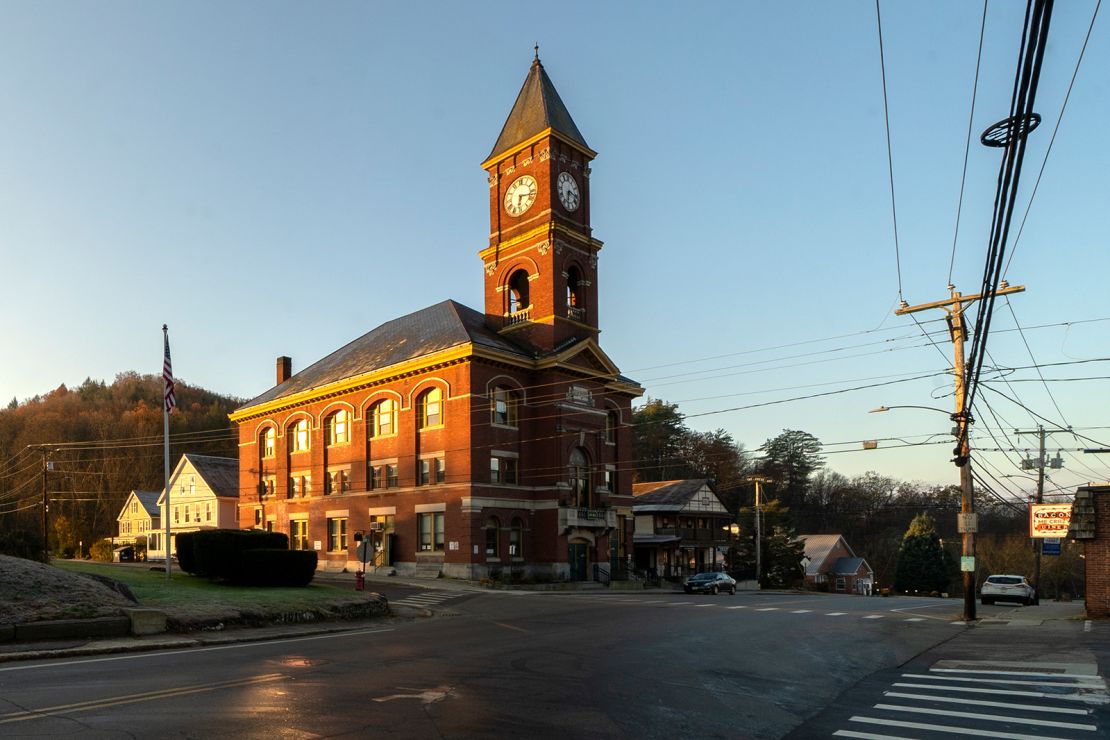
x,y
167,374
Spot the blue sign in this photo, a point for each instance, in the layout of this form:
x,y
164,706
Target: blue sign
x,y
1051,546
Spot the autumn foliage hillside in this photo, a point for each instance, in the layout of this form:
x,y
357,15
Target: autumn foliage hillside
x,y
99,442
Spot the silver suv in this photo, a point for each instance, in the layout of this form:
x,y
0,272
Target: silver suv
x,y
1008,588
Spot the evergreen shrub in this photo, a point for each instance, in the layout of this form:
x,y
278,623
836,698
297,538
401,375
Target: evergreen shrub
x,y
275,567
219,552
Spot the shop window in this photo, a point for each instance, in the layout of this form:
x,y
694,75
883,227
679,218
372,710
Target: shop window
x,y
430,528
337,534
493,532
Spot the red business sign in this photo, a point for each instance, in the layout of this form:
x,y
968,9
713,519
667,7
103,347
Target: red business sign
x,y
1049,520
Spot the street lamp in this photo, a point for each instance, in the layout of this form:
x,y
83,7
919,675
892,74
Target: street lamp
x,y
966,522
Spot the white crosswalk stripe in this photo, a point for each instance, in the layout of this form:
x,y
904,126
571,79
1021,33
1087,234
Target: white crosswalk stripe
x,y
426,599
994,700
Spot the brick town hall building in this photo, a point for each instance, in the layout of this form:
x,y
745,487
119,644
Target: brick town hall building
x,y
472,443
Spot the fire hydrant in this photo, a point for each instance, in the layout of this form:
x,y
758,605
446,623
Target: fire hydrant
x,y
360,580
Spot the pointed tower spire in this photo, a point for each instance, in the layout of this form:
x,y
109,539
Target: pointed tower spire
x,y
538,107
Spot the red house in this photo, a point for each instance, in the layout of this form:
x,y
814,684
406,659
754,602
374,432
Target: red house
x,y
467,443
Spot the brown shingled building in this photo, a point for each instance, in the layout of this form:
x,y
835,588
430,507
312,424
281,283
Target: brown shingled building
x,y
472,444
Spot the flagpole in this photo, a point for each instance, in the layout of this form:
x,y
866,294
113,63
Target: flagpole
x,y
167,401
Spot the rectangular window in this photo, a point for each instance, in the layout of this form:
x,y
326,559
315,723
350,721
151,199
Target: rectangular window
x,y
134,507
298,534
491,541
610,478
430,528
431,470
502,470
337,534
391,476
504,407
376,479
207,511
187,510
258,517
441,470
423,475
338,480
269,483
176,515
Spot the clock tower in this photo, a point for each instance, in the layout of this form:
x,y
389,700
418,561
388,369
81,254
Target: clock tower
x,y
541,261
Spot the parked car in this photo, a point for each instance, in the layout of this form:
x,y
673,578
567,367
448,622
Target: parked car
x,y
1008,588
709,583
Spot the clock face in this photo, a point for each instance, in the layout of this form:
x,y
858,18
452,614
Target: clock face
x,y
568,191
520,196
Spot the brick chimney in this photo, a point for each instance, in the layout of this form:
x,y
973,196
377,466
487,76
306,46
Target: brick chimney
x,y
284,369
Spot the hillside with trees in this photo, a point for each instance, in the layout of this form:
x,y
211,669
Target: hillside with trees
x,y
91,446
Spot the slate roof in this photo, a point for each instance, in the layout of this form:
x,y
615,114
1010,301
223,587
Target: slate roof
x,y
817,548
220,473
669,495
538,107
848,566
429,330
149,501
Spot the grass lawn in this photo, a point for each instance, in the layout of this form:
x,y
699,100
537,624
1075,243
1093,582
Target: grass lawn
x,y
189,599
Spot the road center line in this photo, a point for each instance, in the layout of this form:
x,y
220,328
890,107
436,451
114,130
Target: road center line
x,y
190,649
86,706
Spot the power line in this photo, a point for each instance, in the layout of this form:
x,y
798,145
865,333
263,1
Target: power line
x,y
967,146
889,155
1052,140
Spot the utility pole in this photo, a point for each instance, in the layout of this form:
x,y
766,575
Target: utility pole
x,y
45,505
954,307
1039,463
758,479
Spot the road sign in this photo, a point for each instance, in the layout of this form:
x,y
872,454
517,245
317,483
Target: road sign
x,y
1050,546
967,564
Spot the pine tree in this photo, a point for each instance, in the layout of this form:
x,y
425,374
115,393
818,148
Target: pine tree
x,y
923,565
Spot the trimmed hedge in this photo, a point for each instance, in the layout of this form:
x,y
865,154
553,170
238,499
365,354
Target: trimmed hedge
x,y
184,547
272,567
218,553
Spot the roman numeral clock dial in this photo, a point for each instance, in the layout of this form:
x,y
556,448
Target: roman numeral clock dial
x,y
520,196
568,191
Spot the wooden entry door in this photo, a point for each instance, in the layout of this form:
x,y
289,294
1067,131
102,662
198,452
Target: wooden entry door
x,y
579,561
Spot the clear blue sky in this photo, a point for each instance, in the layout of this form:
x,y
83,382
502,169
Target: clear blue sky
x,y
279,178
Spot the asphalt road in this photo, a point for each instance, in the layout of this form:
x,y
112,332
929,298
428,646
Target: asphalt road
x,y
511,664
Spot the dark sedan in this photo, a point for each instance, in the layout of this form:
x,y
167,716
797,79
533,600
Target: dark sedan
x,y
709,583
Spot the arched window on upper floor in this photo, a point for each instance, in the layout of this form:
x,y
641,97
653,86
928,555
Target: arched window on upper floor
x,y
383,415
579,479
266,442
337,428
429,408
612,423
503,407
298,435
